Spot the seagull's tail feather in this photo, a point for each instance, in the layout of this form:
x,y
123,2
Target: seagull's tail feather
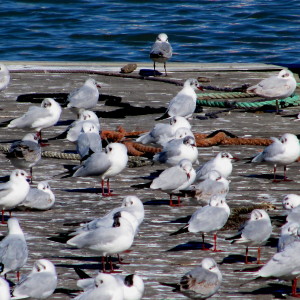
x,y
164,116
173,285
181,230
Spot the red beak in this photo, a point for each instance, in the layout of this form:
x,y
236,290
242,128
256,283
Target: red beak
x,y
200,88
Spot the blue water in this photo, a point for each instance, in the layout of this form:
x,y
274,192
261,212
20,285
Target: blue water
x,y
199,31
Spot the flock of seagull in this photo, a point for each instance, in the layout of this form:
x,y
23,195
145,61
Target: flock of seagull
x,y
114,233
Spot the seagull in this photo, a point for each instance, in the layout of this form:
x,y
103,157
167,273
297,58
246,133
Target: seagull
x,y
75,128
161,51
209,218
212,186
294,215
25,153
105,164
4,289
13,248
201,282
107,240
175,179
275,87
39,118
162,133
255,232
221,163
40,198
103,286
40,283
85,97
14,191
131,204
290,201
176,150
184,103
281,152
133,286
4,77
284,265
289,233
89,140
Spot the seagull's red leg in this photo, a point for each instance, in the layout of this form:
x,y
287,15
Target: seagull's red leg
x,y
215,244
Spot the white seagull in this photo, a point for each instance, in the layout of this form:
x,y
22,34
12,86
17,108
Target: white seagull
x,y
85,97
184,103
89,140
162,133
14,191
176,150
221,163
280,86
40,198
284,265
290,201
175,179
40,283
39,118
161,51
281,152
255,232
209,218
131,204
102,287
4,77
107,240
13,248
106,164
4,289
75,128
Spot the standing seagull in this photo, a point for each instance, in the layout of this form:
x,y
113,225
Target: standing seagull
x,y
175,179
4,289
201,282
14,191
39,118
86,97
105,164
281,152
184,103
275,87
25,153
255,232
13,248
284,265
4,77
209,218
161,51
40,283
222,163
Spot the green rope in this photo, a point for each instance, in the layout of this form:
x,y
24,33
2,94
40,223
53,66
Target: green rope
x,y
203,100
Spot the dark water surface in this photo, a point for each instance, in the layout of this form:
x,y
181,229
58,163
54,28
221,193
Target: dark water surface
x,y
199,31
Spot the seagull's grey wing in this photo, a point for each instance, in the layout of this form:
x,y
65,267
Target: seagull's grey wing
x,y
95,142
74,131
171,149
13,252
83,145
276,148
181,105
271,87
36,285
5,189
95,165
170,179
257,231
204,169
207,219
159,49
82,97
36,199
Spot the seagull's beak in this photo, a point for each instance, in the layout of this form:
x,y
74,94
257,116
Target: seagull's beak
x,y
200,88
188,175
98,85
235,158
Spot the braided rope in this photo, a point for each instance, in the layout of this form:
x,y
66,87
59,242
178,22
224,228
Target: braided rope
x,y
203,100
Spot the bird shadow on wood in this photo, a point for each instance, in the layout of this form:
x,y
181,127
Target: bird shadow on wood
x,y
183,220
86,190
276,289
191,245
237,258
264,176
